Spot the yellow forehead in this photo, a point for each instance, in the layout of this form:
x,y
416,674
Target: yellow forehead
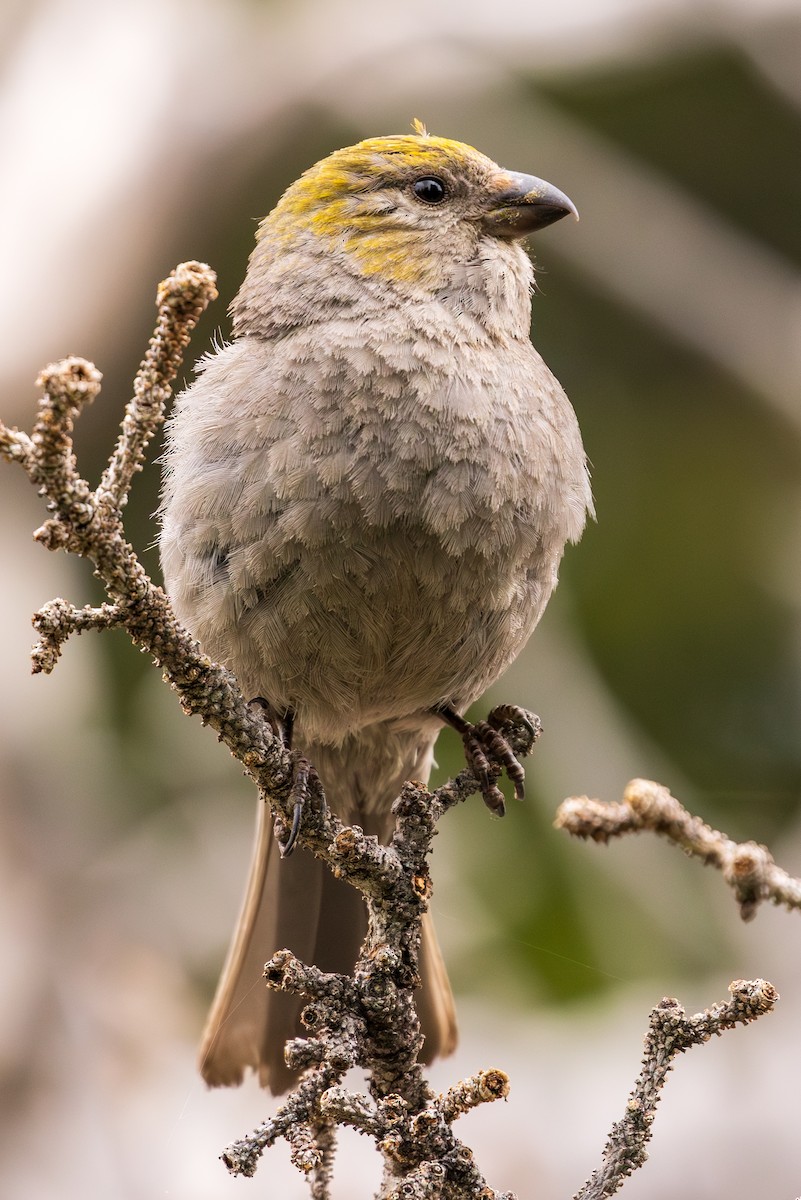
x,y
349,170
411,150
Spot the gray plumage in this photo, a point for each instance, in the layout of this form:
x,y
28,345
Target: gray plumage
x,y
366,499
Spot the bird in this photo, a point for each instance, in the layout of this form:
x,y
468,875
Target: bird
x,y
366,496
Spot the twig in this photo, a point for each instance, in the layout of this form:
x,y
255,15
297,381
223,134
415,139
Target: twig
x,y
57,619
670,1033
181,300
747,867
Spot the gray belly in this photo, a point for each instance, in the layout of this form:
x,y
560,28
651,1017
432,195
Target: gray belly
x,y
372,628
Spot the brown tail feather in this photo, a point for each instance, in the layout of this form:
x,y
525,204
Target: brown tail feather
x,y
297,903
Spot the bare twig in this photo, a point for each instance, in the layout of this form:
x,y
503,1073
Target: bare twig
x,y
181,301
57,619
670,1033
747,867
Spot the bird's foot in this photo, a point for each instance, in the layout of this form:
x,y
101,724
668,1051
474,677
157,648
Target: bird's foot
x,y
298,796
493,745
282,725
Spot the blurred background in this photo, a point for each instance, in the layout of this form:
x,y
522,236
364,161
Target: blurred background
x,y
137,134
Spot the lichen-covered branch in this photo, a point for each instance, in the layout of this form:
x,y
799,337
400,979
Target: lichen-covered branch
x,y
181,300
56,620
367,1019
747,867
670,1033
475,1090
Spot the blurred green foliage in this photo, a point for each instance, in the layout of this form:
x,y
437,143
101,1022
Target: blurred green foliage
x,y
691,474
672,589
709,121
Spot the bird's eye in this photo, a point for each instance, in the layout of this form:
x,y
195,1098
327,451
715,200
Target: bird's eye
x,y
430,190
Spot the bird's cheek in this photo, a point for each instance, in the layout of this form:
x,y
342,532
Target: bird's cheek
x,y
399,257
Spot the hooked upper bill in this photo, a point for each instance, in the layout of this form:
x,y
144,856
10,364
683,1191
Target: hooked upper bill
x,y
525,204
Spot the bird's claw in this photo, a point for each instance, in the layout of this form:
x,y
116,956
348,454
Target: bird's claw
x,y
282,725
298,797
519,727
475,751
491,746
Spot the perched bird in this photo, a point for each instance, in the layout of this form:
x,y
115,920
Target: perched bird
x,y
366,499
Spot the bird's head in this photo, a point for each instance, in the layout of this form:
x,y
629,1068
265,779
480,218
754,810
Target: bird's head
x,y
402,211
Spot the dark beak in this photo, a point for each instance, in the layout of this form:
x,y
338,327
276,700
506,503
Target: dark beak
x,y
522,204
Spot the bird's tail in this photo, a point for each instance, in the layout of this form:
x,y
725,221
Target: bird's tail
x,y
298,904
